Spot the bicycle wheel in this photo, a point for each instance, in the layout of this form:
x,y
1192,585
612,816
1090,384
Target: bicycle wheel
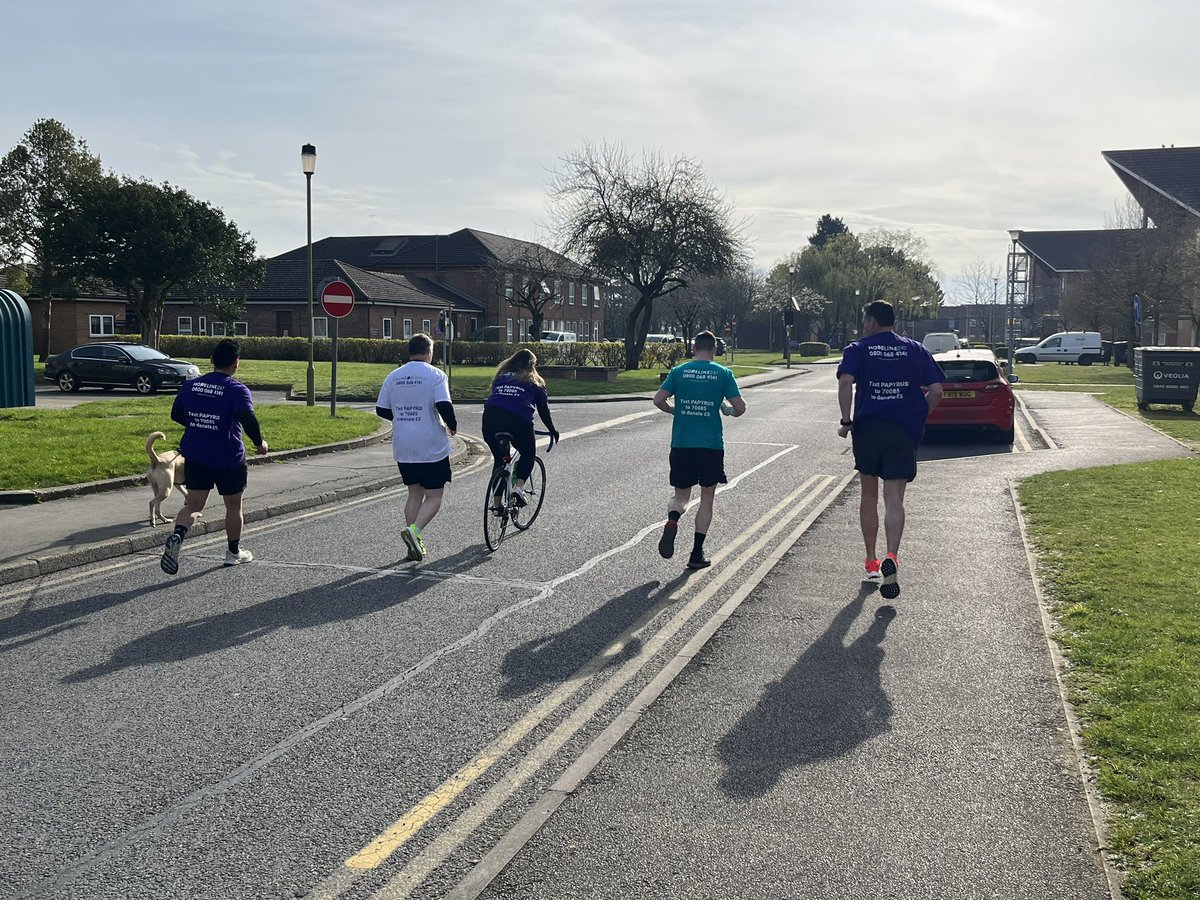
x,y
535,493
495,522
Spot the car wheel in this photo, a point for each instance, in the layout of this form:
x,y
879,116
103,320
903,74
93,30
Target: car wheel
x,y
1085,360
1006,436
68,383
145,384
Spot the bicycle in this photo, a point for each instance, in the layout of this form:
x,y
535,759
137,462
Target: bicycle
x,y
500,506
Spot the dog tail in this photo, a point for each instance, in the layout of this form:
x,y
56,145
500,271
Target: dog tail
x,y
150,439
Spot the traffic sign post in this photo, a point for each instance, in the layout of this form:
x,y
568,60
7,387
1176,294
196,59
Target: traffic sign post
x,y
337,299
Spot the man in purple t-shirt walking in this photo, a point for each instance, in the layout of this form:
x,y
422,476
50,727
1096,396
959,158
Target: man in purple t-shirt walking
x,y
894,383
213,410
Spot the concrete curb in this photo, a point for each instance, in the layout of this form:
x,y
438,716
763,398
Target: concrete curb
x,y
38,566
45,495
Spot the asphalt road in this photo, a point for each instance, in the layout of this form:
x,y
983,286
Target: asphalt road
x,y
330,721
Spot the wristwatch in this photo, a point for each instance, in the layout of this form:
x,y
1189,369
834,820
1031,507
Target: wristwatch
x,y
847,423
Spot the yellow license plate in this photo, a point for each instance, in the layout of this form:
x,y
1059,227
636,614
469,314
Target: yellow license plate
x,y
959,395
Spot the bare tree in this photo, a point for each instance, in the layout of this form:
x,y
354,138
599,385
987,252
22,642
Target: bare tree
x,y
978,284
649,226
527,274
689,305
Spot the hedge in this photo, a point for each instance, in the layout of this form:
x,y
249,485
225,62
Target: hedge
x,y
465,353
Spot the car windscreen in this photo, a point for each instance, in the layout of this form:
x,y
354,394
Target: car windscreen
x,y
964,370
141,354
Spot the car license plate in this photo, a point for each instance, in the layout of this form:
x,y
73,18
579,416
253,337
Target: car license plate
x,y
959,395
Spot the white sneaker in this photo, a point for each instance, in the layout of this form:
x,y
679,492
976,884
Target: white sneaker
x,y
236,559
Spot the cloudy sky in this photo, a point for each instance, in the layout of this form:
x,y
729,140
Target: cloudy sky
x,y
958,119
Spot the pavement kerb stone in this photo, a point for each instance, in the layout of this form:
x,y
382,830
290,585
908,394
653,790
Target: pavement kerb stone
x,y
111,484
46,564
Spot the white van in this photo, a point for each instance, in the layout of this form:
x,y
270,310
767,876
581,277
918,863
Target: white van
x,y
663,339
1081,347
941,341
557,337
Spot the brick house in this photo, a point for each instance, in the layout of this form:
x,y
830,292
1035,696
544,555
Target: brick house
x,y
402,283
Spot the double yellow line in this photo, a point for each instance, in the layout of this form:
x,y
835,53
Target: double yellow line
x,y
762,533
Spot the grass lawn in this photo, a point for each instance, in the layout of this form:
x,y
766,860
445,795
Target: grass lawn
x,y
360,381
1054,373
106,438
1115,546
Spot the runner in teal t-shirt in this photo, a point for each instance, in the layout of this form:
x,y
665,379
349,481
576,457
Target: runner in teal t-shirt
x,y
700,388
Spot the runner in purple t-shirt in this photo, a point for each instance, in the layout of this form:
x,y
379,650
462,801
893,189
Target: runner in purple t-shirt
x,y
894,383
213,410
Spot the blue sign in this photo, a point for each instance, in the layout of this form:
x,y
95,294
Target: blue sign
x,y
1137,309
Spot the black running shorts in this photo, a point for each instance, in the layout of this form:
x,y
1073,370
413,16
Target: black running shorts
x,y
691,466
883,449
199,477
432,476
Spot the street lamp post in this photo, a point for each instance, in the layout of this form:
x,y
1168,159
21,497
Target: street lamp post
x,y
789,313
308,160
1015,235
992,313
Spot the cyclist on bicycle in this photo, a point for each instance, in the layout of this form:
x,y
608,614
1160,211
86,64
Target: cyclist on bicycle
x,y
517,390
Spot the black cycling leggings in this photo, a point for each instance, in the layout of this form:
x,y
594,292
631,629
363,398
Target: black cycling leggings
x,y
496,420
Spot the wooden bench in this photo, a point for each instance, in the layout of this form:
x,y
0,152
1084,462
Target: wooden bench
x,y
567,372
580,373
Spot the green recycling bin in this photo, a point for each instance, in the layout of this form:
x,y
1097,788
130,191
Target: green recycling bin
x,y
1166,375
16,351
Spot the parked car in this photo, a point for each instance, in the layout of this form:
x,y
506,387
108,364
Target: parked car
x,y
976,394
557,337
116,364
1083,347
941,341
663,339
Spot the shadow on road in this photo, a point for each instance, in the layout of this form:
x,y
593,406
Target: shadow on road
x,y
555,658
827,704
357,594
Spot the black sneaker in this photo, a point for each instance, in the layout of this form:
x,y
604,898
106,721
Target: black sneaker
x,y
698,560
666,543
518,500
890,589
170,555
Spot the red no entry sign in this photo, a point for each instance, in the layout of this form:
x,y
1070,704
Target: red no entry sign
x,y
337,299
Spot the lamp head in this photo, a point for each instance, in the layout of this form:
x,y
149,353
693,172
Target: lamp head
x,y
1015,234
308,158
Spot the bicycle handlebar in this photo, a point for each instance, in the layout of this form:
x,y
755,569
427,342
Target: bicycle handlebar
x,y
549,435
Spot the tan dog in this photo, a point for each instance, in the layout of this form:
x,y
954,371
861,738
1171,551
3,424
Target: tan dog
x,y
164,475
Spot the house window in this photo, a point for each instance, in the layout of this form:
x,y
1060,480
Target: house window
x,y
218,329
408,329
474,325
571,293
596,295
320,326
521,322
387,329
203,325
558,291
425,326
583,292
241,329
510,333
508,287
100,326
184,325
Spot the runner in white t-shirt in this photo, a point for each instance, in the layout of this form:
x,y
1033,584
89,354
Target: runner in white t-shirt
x,y
415,398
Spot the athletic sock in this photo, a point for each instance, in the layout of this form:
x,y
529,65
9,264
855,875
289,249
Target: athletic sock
x,y
233,546
414,529
672,516
698,543
182,531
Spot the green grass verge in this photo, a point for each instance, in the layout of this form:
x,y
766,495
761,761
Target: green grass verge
x,y
106,438
359,382
1054,373
1116,547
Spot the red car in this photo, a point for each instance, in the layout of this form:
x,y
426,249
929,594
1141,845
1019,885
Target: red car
x,y
976,394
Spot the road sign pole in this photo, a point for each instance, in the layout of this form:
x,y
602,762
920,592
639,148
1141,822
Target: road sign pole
x,y
333,374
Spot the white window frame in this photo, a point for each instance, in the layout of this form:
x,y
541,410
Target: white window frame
x,y
596,296
571,293
385,328
408,332
213,331
508,286
180,328
425,326
510,331
521,330
104,322
202,325
320,327
241,329
474,324
583,295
